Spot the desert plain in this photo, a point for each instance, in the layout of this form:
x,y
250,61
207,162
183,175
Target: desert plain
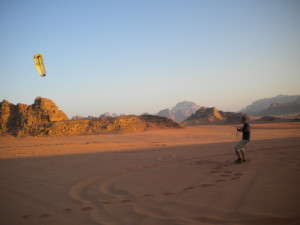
x,y
157,177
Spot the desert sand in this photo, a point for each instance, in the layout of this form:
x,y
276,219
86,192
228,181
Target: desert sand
x,y
158,177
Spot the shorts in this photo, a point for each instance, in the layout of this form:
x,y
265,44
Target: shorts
x,y
240,145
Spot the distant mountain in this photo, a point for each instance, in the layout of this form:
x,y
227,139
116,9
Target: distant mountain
x,y
212,116
167,113
277,109
78,117
104,115
276,119
145,114
107,114
180,112
279,105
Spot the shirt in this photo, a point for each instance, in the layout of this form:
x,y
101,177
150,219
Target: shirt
x,y
246,135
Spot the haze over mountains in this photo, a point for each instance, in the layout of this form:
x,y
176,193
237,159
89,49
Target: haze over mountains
x,y
44,118
189,113
180,112
281,105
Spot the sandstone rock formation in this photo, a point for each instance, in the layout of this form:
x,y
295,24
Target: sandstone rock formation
x,y
44,118
107,125
212,116
22,119
159,122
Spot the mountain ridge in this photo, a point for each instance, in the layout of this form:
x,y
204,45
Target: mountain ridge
x,y
43,118
265,106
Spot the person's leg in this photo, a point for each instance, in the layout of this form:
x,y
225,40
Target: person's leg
x,y
243,148
237,149
243,155
238,154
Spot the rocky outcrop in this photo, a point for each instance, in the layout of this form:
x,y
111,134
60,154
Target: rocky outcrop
x,y
233,117
212,116
44,118
7,116
22,119
159,122
204,115
107,125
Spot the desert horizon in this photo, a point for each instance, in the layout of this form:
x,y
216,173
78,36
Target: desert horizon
x,y
160,176
138,112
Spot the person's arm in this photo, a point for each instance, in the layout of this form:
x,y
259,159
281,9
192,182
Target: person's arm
x,y
244,129
247,129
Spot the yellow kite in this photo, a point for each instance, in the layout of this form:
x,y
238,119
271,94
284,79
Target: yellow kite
x,y
39,65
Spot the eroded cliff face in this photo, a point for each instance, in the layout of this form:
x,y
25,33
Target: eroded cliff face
x,y
108,125
23,119
213,116
7,112
44,118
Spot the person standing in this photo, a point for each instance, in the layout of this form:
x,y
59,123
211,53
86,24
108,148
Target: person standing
x,y
239,148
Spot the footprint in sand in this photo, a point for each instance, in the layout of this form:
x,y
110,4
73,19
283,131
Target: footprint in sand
x,y
133,169
125,201
87,208
238,174
26,216
188,188
148,195
206,185
67,210
106,203
44,215
169,193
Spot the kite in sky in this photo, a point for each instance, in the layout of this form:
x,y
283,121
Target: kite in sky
x,y
39,65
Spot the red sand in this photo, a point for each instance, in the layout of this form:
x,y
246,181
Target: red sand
x,y
160,177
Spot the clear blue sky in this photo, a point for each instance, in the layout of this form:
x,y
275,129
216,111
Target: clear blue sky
x,y
143,56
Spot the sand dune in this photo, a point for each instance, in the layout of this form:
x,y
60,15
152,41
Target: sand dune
x,y
159,177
